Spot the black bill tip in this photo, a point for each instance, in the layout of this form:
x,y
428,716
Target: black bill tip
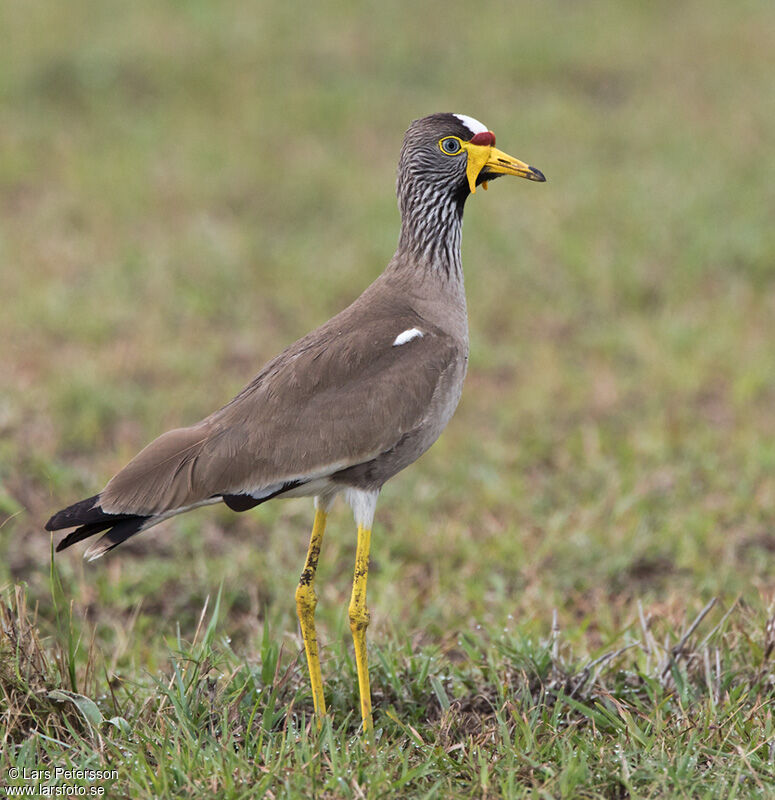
x,y
536,175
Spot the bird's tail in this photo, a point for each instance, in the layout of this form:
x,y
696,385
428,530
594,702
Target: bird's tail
x,y
90,518
158,483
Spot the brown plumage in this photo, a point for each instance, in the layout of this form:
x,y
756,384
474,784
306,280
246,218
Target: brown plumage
x,y
343,407
346,407
337,398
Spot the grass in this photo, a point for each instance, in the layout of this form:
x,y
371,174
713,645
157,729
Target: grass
x,y
185,188
495,712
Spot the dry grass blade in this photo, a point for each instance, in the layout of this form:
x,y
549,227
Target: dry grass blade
x,y
769,637
30,678
677,650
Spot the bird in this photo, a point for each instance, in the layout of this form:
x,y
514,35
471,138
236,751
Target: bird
x,y
344,408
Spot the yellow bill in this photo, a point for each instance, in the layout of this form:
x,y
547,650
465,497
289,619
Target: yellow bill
x,y
485,160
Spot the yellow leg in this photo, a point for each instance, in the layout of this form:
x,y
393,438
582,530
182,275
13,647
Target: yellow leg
x,y
305,608
359,621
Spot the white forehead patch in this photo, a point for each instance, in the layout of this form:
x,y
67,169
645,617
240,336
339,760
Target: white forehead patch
x,y
472,124
407,336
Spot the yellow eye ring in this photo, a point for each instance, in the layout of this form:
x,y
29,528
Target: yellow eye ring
x,y
450,146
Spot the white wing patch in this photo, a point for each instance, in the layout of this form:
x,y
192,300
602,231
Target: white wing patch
x,y
472,124
407,336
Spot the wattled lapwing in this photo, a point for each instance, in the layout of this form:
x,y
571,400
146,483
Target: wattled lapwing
x,y
343,409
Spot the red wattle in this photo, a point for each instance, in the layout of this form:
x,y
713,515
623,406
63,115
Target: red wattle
x,y
485,137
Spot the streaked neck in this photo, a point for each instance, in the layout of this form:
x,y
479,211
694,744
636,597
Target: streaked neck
x,y
431,230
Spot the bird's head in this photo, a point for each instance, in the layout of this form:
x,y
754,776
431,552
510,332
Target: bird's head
x,y
453,154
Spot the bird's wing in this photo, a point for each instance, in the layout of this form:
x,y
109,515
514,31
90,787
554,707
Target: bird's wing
x,y
338,397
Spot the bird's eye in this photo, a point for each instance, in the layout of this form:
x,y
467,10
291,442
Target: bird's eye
x,y
450,145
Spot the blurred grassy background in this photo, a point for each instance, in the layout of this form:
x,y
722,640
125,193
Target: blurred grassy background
x,y
187,187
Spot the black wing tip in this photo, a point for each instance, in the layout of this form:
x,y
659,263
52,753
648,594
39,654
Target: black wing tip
x,y
84,512
90,519
118,530
54,522
79,534
118,534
